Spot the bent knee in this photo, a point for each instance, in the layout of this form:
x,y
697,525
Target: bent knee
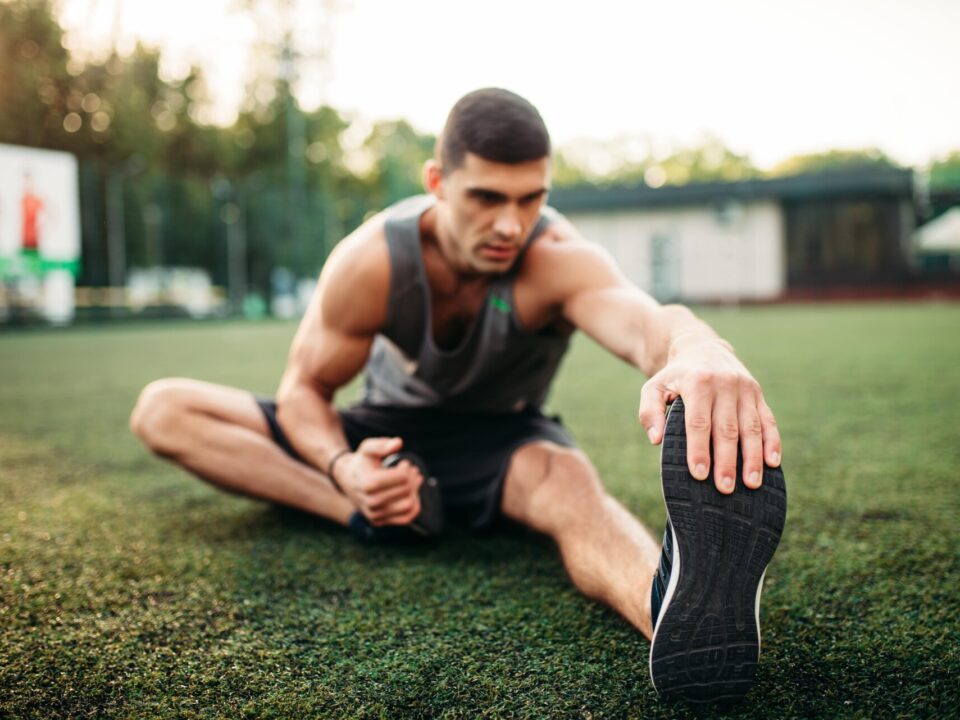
x,y
159,412
548,479
568,473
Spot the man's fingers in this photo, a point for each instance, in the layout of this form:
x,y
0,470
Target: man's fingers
x,y
377,501
653,407
726,434
385,478
380,447
771,435
399,512
751,440
698,422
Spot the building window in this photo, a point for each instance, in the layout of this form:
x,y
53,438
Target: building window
x,y
843,242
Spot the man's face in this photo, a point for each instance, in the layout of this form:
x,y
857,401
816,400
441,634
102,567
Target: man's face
x,y
486,211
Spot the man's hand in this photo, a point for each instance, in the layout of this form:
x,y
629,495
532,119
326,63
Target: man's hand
x,y
386,496
723,404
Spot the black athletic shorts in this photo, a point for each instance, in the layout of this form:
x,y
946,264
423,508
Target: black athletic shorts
x,y
468,454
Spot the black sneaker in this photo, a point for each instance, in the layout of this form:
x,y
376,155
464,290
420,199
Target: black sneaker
x,y
705,600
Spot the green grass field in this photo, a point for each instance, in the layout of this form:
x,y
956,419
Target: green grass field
x,y
129,589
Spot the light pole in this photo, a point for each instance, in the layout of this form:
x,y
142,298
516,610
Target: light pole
x,y
116,225
233,214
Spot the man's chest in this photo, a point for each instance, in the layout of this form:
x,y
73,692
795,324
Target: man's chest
x,y
453,315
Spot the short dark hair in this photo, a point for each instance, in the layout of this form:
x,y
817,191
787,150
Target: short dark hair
x,y
495,124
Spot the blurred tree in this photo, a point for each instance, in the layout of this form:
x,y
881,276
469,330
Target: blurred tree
x,y
35,88
630,160
391,160
111,110
192,147
852,159
123,94
567,172
589,160
710,160
945,172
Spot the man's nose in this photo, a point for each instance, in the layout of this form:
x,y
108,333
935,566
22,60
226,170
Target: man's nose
x,y
508,225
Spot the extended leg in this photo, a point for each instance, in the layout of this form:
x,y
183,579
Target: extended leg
x,y
607,552
219,434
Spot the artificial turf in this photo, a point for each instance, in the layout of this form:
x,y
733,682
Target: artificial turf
x,y
129,589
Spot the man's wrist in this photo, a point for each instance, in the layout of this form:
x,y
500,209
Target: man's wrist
x,y
687,340
331,467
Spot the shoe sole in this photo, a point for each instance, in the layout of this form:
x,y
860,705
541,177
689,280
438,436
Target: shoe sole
x,y
706,643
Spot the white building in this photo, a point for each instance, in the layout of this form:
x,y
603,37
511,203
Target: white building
x,y
754,240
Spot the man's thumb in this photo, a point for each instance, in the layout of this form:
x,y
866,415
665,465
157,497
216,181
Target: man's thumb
x,y
653,406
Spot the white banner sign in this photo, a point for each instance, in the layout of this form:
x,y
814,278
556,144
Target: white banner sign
x,y
39,206
39,229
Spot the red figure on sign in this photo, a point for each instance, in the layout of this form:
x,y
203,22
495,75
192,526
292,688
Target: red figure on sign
x,y
31,206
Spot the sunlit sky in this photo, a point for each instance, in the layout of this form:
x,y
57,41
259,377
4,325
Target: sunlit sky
x,y
771,78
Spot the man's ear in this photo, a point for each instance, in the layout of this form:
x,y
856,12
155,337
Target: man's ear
x,y
433,178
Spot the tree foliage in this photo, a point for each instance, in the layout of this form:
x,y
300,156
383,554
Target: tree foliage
x,y
850,159
288,169
35,87
633,160
945,172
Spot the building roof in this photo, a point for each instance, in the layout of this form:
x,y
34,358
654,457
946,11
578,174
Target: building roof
x,y
858,183
941,234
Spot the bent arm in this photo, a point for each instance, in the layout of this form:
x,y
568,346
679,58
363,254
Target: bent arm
x,y
305,399
332,345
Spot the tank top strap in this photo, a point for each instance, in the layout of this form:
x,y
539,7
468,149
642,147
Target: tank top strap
x,y
547,216
407,308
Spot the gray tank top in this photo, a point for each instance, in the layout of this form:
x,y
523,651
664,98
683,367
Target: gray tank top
x,y
498,365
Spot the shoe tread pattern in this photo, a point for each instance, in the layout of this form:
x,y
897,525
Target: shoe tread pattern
x,y
707,645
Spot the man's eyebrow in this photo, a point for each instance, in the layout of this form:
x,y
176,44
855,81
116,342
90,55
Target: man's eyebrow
x,y
535,194
488,194
484,193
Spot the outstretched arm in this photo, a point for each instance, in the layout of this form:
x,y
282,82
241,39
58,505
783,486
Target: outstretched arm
x,y
681,355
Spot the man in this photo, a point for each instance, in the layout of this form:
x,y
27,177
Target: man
x,y
460,304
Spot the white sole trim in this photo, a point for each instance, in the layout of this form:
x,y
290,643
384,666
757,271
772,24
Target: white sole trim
x,y
674,568
757,609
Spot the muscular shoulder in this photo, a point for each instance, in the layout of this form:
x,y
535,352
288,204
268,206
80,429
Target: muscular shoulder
x,y
561,261
354,285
